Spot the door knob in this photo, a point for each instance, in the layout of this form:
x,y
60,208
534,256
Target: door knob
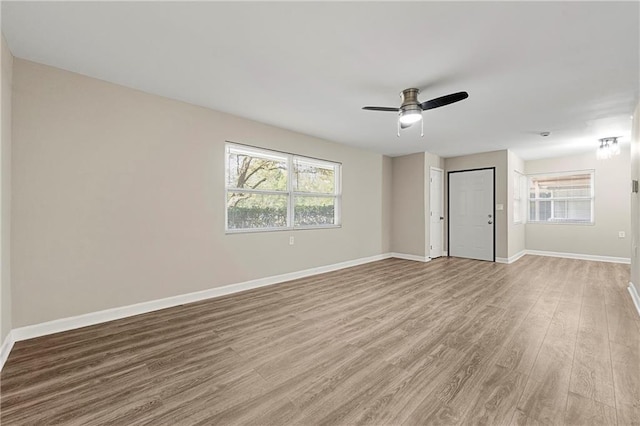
x,y
441,217
489,215
490,223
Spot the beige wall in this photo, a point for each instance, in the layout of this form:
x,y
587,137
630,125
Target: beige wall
x,y
499,160
611,208
6,66
635,202
410,212
387,202
408,230
516,232
118,198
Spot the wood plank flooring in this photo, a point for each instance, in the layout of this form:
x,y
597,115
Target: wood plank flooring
x,y
452,341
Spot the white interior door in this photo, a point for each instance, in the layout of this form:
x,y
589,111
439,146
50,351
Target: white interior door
x,y
471,214
436,214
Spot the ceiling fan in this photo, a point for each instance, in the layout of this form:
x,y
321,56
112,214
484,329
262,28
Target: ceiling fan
x,y
410,110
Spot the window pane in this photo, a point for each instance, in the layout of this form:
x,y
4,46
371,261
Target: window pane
x,y
560,210
562,186
544,193
253,171
312,176
532,211
574,191
516,211
540,211
519,196
570,198
310,211
544,208
246,211
579,210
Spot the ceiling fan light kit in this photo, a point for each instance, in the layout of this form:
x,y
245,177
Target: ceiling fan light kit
x,y
410,116
410,111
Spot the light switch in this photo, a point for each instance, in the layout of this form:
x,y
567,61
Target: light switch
x,y
621,234
499,206
291,241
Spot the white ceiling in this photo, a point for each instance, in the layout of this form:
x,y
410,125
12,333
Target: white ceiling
x,y
571,68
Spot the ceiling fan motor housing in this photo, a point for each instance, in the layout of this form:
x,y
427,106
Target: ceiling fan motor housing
x,y
410,100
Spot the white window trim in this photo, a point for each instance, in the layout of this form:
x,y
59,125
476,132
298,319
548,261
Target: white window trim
x,y
290,193
522,197
592,172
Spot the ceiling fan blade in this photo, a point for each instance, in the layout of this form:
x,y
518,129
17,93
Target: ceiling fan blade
x,y
444,100
374,108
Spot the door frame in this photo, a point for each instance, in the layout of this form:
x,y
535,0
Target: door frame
x,y
441,207
493,205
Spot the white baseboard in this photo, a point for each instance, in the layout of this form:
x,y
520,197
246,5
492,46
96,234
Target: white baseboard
x,y
5,349
92,318
596,258
517,256
511,259
634,296
410,257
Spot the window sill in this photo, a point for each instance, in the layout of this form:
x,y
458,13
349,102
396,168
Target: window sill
x,y
260,230
563,223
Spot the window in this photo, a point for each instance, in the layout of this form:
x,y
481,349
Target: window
x,y
562,198
269,190
519,197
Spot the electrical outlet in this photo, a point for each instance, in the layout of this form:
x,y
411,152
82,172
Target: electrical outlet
x,y
291,241
621,234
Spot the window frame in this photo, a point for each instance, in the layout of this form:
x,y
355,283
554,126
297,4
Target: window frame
x,y
520,192
592,198
290,193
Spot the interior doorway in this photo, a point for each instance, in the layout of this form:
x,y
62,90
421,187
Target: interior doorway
x,y
436,212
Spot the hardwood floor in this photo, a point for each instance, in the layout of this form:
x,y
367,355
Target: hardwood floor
x,y
452,341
